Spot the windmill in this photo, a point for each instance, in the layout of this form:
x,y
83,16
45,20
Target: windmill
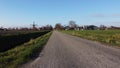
x,y
34,26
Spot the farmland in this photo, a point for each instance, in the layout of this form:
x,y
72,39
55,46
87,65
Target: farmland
x,y
11,39
23,53
110,37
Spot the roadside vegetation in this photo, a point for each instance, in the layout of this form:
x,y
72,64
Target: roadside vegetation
x,y
111,37
12,39
23,53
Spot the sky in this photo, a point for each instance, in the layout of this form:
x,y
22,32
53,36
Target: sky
x,y
22,13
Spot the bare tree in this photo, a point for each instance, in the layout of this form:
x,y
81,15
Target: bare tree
x,y
72,24
49,27
58,26
102,27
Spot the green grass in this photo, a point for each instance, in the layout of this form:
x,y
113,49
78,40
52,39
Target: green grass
x,y
111,37
10,41
23,53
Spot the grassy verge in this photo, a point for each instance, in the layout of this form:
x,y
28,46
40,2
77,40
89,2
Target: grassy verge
x,y
24,53
111,37
12,40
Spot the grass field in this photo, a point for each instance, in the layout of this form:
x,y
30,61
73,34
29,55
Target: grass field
x,y
11,39
23,53
111,37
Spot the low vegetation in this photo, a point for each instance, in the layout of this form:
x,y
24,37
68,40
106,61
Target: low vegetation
x,y
111,37
11,39
23,53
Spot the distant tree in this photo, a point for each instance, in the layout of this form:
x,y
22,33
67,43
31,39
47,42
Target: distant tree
x,y
102,27
49,27
58,26
72,24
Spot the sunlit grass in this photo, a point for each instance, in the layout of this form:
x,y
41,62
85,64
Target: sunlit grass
x,y
111,37
23,53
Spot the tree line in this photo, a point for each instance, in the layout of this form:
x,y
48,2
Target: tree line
x,y
73,26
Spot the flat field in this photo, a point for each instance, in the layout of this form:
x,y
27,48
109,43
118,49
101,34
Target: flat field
x,y
111,37
23,53
11,39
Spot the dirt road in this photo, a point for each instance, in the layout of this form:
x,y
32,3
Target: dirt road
x,y
65,51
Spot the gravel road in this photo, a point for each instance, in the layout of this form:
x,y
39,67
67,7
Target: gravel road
x,y
66,51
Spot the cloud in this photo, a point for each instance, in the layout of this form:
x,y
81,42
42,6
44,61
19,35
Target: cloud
x,y
98,15
105,15
115,15
112,22
116,22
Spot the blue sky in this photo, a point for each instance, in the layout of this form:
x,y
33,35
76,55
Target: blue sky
x,y
21,13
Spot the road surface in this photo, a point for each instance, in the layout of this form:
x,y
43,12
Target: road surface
x,y
65,51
